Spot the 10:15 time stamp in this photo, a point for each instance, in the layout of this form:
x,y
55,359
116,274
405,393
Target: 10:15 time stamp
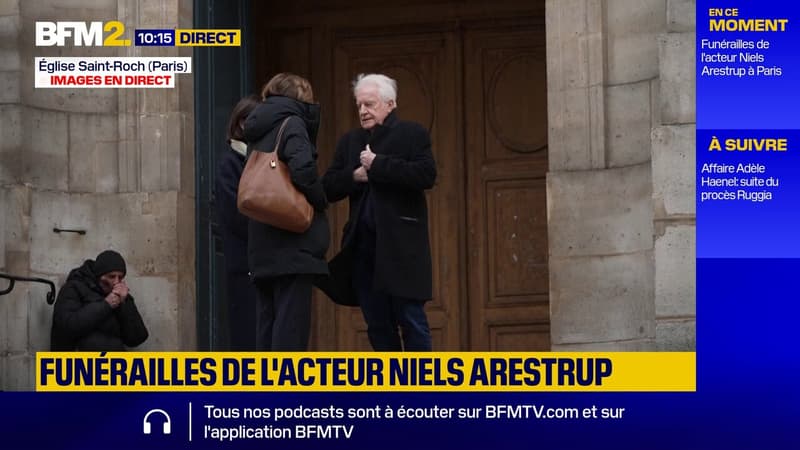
x,y
161,37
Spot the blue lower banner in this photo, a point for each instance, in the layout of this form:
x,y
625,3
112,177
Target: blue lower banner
x,y
745,398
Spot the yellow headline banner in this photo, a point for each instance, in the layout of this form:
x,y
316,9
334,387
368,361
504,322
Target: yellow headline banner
x,y
350,371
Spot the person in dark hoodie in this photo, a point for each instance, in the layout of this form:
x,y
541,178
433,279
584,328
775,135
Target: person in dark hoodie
x,y
94,310
241,292
284,264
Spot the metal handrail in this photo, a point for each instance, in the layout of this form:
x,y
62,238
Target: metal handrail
x,y
51,296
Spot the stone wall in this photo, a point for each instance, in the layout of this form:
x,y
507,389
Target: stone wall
x,y
117,163
674,181
14,305
620,221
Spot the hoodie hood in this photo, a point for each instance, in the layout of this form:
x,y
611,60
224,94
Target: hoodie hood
x,y
85,275
268,115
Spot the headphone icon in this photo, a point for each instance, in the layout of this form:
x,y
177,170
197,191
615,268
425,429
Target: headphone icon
x,y
146,425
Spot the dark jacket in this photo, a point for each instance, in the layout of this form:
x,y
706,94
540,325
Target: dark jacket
x,y
273,251
84,321
402,170
240,292
233,224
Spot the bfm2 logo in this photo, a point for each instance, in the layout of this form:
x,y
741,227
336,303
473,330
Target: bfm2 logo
x,y
88,34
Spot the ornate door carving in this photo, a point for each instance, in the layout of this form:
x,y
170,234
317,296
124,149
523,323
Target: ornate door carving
x,y
506,147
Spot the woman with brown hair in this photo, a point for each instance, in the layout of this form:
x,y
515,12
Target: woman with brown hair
x,y
283,264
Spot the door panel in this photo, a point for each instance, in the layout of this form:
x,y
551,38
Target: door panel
x,y
283,50
506,149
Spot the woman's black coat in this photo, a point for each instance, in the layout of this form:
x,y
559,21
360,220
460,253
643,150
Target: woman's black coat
x,y
273,251
402,170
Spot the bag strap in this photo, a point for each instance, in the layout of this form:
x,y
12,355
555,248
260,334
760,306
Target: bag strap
x,y
250,149
280,134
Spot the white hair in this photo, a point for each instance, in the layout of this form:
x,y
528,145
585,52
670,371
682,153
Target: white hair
x,y
387,87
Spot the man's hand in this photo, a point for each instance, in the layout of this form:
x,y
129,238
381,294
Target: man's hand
x,y
367,157
121,289
360,175
113,300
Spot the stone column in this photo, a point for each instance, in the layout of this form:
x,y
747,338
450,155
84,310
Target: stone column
x,y
674,182
602,79
16,360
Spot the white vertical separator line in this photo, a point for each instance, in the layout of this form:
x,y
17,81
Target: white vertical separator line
x,y
190,421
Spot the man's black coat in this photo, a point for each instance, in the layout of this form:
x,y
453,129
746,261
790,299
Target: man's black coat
x,y
398,177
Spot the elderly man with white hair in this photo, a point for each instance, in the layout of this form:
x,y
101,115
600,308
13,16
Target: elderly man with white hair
x,y
384,168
